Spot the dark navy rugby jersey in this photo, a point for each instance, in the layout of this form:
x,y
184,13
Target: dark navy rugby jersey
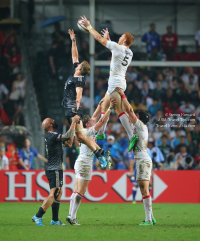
x,y
69,95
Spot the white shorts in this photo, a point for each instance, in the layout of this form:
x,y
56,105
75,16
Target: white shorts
x,y
143,168
114,83
83,171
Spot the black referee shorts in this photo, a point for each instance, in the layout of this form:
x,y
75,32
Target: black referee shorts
x,y
71,112
55,178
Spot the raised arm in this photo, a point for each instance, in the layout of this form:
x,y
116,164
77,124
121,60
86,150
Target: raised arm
x,y
127,107
93,32
79,93
74,47
68,137
97,112
104,118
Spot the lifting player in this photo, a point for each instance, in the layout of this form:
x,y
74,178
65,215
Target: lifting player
x,y
143,161
54,171
71,101
83,165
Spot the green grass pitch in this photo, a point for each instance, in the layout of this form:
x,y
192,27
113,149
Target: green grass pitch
x,y
102,222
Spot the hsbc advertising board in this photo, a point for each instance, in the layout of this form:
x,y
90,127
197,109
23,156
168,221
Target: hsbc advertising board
x,y
105,187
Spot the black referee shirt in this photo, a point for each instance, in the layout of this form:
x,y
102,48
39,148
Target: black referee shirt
x,y
69,96
54,150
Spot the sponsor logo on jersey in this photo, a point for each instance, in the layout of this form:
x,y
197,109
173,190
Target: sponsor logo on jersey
x,y
80,79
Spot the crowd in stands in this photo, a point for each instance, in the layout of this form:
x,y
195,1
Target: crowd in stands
x,y
12,83
13,158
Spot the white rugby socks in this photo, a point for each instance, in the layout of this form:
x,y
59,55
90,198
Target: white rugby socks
x,y
126,124
103,128
148,208
71,203
77,201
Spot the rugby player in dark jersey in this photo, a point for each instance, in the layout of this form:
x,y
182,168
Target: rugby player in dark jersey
x,y
71,101
54,148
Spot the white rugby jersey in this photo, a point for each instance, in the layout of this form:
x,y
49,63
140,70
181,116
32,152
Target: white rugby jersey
x,y
86,154
141,130
121,59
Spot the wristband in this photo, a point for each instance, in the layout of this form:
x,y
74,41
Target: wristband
x,y
123,96
89,27
73,40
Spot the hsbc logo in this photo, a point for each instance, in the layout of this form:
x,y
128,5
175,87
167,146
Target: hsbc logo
x,y
106,186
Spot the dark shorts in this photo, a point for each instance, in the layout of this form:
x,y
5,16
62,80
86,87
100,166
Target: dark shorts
x,y
55,178
71,112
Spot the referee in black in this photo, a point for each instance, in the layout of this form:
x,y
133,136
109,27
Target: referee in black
x,y
54,148
71,100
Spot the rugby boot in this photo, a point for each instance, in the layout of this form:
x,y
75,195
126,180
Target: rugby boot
x,y
146,224
132,142
108,159
101,137
38,221
103,162
57,223
72,221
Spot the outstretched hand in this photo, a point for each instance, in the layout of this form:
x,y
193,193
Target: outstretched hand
x,y
120,91
105,34
72,34
113,103
85,21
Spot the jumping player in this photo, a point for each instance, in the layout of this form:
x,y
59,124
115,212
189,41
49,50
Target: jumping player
x,y
54,171
83,165
142,159
72,95
121,59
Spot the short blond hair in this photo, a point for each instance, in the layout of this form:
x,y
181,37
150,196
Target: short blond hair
x,y
129,39
85,68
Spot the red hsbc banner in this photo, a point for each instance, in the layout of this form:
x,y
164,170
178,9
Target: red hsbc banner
x,y
105,187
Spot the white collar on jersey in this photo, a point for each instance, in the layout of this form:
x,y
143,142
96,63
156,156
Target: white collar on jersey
x,y
79,76
53,132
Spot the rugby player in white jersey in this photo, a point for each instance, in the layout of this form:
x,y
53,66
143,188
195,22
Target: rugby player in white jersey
x,y
121,59
83,165
142,159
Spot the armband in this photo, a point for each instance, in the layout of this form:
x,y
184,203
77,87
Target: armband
x,y
73,40
123,96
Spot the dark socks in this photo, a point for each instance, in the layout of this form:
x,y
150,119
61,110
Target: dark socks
x,y
98,153
40,213
55,208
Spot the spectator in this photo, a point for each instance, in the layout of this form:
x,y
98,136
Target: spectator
x,y
193,89
15,60
115,124
197,38
152,39
12,156
187,73
181,92
4,164
155,154
167,152
164,83
174,83
59,36
176,140
85,101
99,97
183,141
168,97
158,91
169,43
27,154
183,160
145,89
154,55
54,58
132,73
187,107
183,55
4,94
154,107
72,155
84,53
18,95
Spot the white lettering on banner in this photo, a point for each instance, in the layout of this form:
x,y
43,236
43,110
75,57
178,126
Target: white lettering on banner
x,y
43,185
27,185
120,186
96,199
67,186
158,186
